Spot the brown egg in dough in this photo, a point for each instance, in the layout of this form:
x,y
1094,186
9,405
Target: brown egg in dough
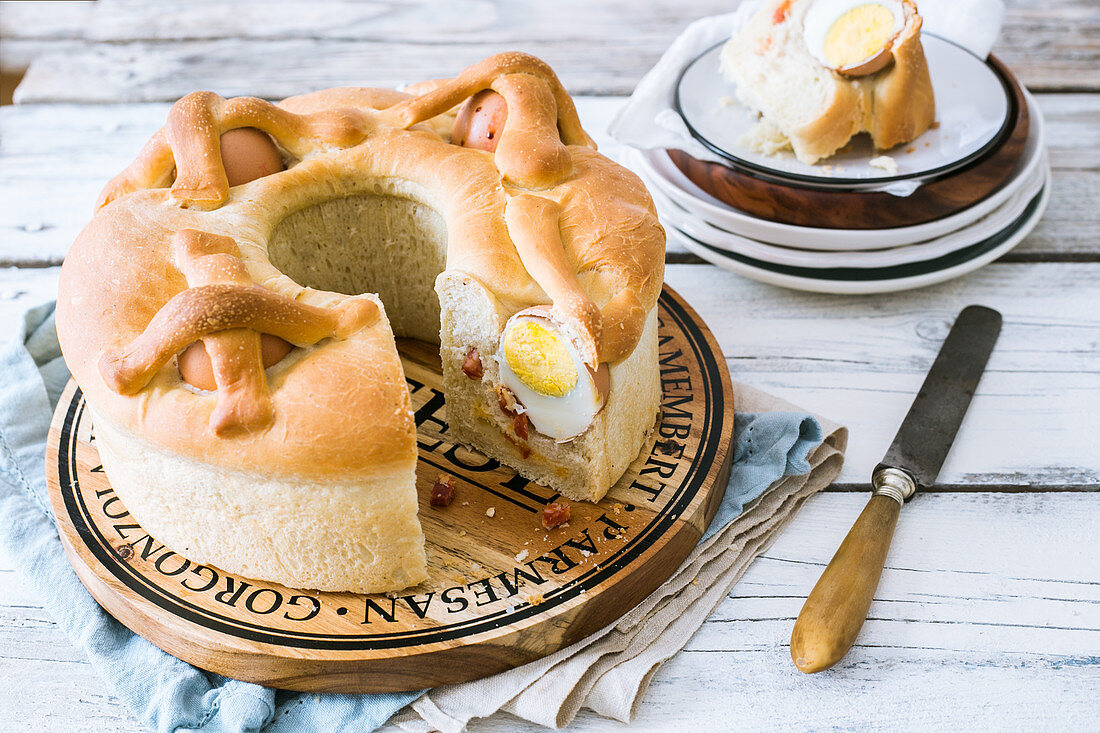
x,y
249,154
194,362
480,121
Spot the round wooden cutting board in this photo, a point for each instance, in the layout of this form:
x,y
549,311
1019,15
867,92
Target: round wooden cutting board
x,y
502,590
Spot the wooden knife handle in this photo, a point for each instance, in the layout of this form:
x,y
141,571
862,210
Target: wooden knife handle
x,y
837,606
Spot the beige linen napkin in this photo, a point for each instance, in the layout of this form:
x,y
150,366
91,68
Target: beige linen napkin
x,y
609,671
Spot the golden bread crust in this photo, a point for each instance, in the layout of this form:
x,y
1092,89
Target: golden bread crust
x,y
582,236
903,105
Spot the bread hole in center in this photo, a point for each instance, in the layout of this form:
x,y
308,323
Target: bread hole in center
x,y
369,243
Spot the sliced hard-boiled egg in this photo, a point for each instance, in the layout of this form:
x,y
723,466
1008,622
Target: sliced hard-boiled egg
x,y
854,37
539,363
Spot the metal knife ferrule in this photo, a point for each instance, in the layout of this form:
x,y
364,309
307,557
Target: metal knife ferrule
x,y
896,483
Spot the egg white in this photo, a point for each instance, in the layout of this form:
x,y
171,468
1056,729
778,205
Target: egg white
x,y
823,13
561,418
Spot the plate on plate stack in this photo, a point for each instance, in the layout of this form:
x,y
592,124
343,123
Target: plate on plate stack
x,y
977,183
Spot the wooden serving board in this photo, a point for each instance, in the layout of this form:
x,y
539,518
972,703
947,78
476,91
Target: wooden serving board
x,y
831,209
502,590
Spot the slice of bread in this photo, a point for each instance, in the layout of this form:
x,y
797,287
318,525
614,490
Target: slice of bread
x,y
817,109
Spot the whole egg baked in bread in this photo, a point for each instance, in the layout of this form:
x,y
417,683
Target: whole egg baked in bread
x,y
821,71
229,314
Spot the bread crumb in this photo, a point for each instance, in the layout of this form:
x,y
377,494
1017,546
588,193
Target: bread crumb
x,y
535,599
491,512
910,150
765,137
522,556
617,507
884,162
727,101
461,533
465,503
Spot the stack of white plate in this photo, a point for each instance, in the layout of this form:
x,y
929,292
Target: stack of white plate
x,y
843,260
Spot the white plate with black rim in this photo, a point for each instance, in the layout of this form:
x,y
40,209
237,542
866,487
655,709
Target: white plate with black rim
x,y
985,227
974,109
850,281
659,171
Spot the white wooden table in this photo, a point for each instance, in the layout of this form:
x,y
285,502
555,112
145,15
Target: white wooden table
x,y
988,615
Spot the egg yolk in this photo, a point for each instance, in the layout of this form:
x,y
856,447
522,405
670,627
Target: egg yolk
x,y
539,358
859,34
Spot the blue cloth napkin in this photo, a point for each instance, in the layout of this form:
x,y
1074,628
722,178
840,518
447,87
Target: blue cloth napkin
x,y
170,695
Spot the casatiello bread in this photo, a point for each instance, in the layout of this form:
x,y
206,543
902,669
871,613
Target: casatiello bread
x,y
369,221
821,71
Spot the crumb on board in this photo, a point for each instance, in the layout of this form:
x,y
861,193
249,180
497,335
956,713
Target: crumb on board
x,y
535,599
555,514
461,533
522,555
443,491
491,512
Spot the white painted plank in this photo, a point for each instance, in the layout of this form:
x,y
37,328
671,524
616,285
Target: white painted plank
x,y
52,21
55,158
53,163
31,29
20,290
989,610
271,48
148,71
860,360
411,21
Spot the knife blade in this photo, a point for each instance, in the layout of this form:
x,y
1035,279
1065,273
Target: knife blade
x,y
837,606
926,434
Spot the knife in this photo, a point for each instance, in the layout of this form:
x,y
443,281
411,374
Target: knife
x,y
837,606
